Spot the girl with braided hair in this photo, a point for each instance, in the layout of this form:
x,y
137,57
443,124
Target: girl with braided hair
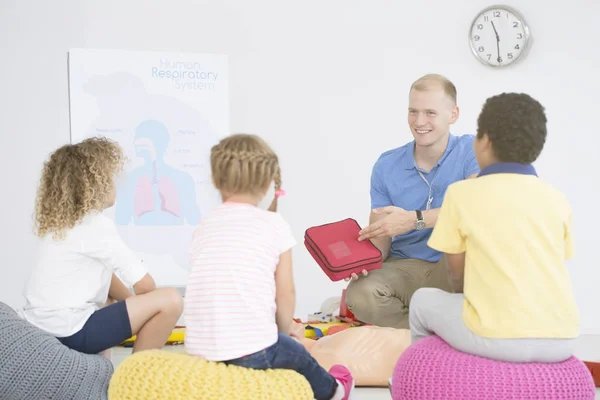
x,y
240,294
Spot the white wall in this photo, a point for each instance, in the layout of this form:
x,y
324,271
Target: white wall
x,y
324,81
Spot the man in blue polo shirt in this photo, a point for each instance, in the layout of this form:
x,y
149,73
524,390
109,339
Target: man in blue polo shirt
x,y
407,189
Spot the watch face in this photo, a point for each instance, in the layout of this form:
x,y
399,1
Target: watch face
x,y
420,225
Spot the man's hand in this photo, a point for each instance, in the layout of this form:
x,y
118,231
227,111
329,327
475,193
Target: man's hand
x,y
396,222
354,277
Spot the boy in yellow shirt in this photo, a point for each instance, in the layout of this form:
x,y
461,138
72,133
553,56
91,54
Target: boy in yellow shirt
x,y
506,236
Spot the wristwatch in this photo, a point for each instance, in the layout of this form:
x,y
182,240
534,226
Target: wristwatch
x,y
420,224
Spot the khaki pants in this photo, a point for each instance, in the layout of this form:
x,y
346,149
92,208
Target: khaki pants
x,y
383,297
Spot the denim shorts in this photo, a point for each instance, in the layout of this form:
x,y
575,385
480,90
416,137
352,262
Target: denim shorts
x,y
106,328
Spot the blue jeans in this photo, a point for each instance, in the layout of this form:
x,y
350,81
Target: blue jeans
x,y
287,353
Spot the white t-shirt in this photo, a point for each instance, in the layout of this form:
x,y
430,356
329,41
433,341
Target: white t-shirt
x,y
72,276
230,295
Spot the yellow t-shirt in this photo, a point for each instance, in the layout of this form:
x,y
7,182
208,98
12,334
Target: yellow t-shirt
x,y
516,232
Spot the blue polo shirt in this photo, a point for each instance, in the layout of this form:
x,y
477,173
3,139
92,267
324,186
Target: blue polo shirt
x,y
395,181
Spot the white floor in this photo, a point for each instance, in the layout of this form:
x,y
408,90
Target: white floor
x,y
587,349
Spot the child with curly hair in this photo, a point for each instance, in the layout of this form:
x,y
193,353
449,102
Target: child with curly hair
x,y
240,294
75,290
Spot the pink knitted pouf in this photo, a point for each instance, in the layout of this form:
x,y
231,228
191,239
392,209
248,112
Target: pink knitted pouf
x,y
432,370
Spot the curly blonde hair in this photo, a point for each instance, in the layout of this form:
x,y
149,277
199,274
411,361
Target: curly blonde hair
x,y
244,163
75,180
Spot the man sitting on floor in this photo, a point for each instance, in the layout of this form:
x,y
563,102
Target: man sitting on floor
x,y
407,188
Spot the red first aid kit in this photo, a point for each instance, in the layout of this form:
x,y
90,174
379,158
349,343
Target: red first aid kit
x,y
335,247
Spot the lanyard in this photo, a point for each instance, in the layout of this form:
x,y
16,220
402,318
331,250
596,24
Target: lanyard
x,y
429,198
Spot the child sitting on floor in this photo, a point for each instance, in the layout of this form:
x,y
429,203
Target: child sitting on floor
x,y
506,235
240,296
74,292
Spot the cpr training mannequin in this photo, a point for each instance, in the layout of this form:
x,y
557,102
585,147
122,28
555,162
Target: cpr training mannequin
x,y
369,352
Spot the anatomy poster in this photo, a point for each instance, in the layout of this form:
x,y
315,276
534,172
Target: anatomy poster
x,y
166,110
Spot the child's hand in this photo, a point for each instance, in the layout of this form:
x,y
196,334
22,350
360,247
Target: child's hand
x,y
296,335
297,331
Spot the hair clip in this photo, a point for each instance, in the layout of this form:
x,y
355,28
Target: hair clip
x,y
279,193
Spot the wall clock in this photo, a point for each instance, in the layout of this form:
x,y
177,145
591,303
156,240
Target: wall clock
x,y
499,36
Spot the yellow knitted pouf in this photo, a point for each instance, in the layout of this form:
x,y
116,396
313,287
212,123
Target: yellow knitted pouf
x,y
164,375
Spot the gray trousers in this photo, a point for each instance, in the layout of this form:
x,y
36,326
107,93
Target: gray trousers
x,y
434,311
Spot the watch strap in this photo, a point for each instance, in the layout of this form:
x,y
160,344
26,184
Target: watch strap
x,y
419,215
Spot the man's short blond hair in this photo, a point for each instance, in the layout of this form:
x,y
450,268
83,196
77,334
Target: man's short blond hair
x,y
430,81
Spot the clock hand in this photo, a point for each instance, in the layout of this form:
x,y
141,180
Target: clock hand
x,y
495,31
497,40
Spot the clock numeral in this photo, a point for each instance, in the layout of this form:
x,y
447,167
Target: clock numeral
x,y
515,24
510,56
489,56
476,38
496,14
479,26
519,36
486,18
480,49
499,60
517,47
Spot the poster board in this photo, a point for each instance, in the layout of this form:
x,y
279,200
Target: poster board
x,y
166,110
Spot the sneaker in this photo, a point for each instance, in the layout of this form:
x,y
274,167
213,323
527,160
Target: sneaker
x,y
343,375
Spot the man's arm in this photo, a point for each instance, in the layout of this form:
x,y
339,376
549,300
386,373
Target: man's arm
x,y
383,243
430,217
391,221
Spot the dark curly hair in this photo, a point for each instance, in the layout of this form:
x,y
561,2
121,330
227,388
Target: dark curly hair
x,y
515,124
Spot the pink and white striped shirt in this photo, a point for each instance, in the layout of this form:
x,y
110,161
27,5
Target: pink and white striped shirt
x,y
230,296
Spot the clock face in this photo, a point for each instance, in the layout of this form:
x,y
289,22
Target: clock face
x,y
499,36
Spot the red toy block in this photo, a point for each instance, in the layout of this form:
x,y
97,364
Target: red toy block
x,y
594,368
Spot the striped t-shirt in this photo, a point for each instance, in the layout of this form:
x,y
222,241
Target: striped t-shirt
x,y
230,296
